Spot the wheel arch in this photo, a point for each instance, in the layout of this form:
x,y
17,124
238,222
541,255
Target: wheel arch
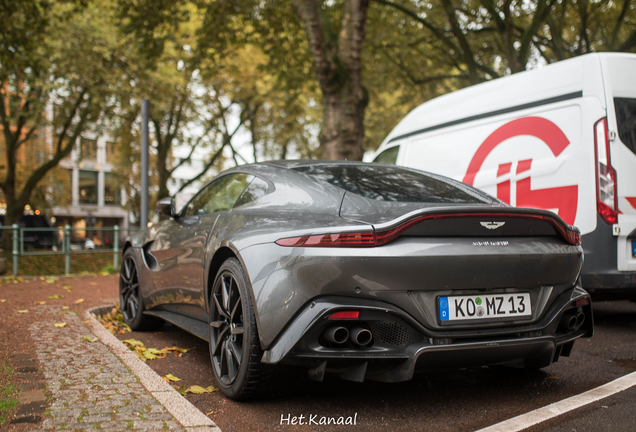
x,y
225,251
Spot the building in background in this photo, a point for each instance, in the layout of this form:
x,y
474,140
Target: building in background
x,y
96,200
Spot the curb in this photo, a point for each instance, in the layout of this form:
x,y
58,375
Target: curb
x,y
182,410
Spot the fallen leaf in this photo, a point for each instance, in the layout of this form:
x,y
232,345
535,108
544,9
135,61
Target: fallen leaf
x,y
132,343
3,300
40,303
23,311
60,325
85,322
170,377
181,390
56,297
78,301
64,307
90,339
209,413
51,280
200,390
176,349
103,273
92,283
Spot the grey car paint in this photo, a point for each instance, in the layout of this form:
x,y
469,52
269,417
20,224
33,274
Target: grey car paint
x,y
408,273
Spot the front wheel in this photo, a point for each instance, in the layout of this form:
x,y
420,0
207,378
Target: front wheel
x,y
130,297
235,350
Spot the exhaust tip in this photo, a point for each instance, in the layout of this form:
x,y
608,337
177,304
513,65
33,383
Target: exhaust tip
x,y
337,335
361,336
572,322
580,319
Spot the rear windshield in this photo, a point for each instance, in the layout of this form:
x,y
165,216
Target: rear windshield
x,y
626,119
385,183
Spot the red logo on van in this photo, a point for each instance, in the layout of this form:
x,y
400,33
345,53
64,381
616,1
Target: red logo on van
x,y
564,198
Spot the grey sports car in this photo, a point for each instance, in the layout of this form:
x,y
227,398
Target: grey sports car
x,y
368,271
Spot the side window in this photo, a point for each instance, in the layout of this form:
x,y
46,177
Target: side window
x,y
219,195
258,188
626,119
388,156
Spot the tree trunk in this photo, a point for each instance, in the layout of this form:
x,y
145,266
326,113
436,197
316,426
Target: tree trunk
x,y
338,71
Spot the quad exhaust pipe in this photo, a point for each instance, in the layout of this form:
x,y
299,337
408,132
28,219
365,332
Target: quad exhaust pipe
x,y
572,319
360,336
338,335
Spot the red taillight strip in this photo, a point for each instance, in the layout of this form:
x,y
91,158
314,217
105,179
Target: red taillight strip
x,y
331,240
382,237
609,213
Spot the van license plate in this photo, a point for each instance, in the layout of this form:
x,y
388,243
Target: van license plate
x,y
461,308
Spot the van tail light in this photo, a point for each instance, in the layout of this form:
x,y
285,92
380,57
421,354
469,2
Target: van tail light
x,y
605,175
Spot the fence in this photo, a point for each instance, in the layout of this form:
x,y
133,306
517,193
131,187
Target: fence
x,y
62,242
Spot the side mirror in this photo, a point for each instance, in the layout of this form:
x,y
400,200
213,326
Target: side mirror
x,y
166,207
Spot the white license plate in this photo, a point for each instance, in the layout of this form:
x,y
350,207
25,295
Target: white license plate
x,y
476,307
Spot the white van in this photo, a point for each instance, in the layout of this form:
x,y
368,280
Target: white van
x,y
562,138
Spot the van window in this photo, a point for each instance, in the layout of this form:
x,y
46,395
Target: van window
x,y
388,156
626,119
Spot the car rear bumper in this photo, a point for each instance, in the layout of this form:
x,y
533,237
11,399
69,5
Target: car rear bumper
x,y
393,360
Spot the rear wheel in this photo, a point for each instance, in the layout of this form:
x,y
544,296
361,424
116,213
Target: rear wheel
x,y
130,297
235,349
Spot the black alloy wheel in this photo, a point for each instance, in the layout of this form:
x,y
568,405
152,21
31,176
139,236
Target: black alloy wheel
x,y
130,296
226,328
129,290
235,349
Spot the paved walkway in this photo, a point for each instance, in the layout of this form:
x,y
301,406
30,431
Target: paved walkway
x,y
90,386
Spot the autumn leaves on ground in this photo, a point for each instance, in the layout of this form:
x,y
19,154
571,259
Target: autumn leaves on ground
x,y
114,323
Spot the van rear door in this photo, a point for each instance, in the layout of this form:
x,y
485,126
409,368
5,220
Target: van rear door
x,y
619,71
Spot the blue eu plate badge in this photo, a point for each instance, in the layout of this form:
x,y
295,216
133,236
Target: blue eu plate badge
x,y
443,308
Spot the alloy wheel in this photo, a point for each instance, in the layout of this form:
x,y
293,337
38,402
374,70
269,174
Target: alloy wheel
x,y
226,328
129,289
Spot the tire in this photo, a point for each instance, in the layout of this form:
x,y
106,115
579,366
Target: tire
x,y
235,349
130,296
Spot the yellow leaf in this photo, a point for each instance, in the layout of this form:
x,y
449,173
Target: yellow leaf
x,y
209,413
3,300
78,301
51,280
103,273
90,339
133,343
40,303
196,389
60,325
56,297
64,307
174,348
23,311
170,377
149,355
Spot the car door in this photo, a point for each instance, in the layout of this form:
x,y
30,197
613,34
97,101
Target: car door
x,y
180,243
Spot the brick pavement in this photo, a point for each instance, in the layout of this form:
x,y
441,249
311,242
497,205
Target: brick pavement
x,y
91,388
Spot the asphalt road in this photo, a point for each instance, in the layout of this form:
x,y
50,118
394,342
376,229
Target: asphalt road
x,y
458,400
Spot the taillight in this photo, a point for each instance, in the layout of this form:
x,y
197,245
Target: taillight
x,y
382,237
605,175
331,240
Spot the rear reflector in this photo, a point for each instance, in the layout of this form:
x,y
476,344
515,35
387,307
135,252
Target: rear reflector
x,y
382,237
605,175
582,302
345,315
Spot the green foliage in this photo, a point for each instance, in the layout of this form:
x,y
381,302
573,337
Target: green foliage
x,y
8,393
109,269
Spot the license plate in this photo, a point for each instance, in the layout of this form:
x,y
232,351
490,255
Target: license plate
x,y
634,248
476,307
